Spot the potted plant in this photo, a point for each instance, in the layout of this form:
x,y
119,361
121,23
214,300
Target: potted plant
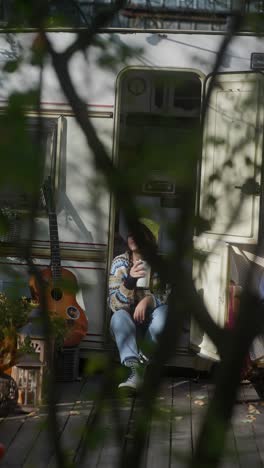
x,y
13,315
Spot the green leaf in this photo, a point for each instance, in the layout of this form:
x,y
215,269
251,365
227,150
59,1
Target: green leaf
x,y
11,66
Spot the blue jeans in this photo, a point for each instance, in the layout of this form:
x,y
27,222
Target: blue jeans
x,y
126,331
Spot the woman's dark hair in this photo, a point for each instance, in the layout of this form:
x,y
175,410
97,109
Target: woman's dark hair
x,y
146,236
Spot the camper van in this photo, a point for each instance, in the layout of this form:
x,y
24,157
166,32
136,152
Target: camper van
x,y
150,102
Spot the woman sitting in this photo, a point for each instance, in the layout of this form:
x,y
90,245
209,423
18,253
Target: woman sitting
x,y
138,312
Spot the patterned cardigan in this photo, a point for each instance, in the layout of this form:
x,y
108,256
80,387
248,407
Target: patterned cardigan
x,y
123,293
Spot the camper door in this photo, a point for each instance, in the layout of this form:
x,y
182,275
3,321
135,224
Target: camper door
x,y
230,186
210,273
232,157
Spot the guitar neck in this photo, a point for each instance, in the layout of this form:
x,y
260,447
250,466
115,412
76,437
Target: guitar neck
x,y
55,262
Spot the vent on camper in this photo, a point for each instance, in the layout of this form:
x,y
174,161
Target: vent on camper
x,y
67,364
158,187
10,225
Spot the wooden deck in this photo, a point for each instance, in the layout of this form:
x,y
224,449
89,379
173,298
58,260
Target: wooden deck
x,y
182,403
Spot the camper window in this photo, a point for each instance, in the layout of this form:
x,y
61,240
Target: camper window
x,y
38,141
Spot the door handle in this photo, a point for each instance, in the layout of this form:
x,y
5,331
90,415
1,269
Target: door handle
x,y
250,187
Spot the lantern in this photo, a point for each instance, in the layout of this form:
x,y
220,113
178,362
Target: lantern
x,y
29,367
28,376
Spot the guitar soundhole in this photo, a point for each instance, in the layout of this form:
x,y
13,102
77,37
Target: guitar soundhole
x,y
56,294
73,313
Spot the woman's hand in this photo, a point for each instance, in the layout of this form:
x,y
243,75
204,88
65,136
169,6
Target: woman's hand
x,y
140,310
137,270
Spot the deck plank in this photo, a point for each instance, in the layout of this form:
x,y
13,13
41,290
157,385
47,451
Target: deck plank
x,y
201,393
159,446
9,427
181,441
72,433
105,446
21,444
245,438
258,429
199,403
254,408
108,451
248,393
113,446
230,456
42,451
79,412
183,403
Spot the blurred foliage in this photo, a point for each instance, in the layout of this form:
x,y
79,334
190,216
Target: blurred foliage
x,y
58,330
13,313
113,52
175,154
22,164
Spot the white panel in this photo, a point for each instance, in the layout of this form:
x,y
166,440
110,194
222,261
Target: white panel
x,y
61,148
82,201
54,138
232,151
83,208
211,282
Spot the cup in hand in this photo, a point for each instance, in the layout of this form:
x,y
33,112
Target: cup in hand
x,y
145,280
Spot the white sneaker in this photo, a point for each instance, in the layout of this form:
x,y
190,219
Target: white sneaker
x,y
135,378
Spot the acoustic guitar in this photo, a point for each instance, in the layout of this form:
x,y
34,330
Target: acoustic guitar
x,y
60,284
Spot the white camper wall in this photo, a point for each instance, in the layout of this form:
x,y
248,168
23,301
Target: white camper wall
x,y
80,229
96,85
